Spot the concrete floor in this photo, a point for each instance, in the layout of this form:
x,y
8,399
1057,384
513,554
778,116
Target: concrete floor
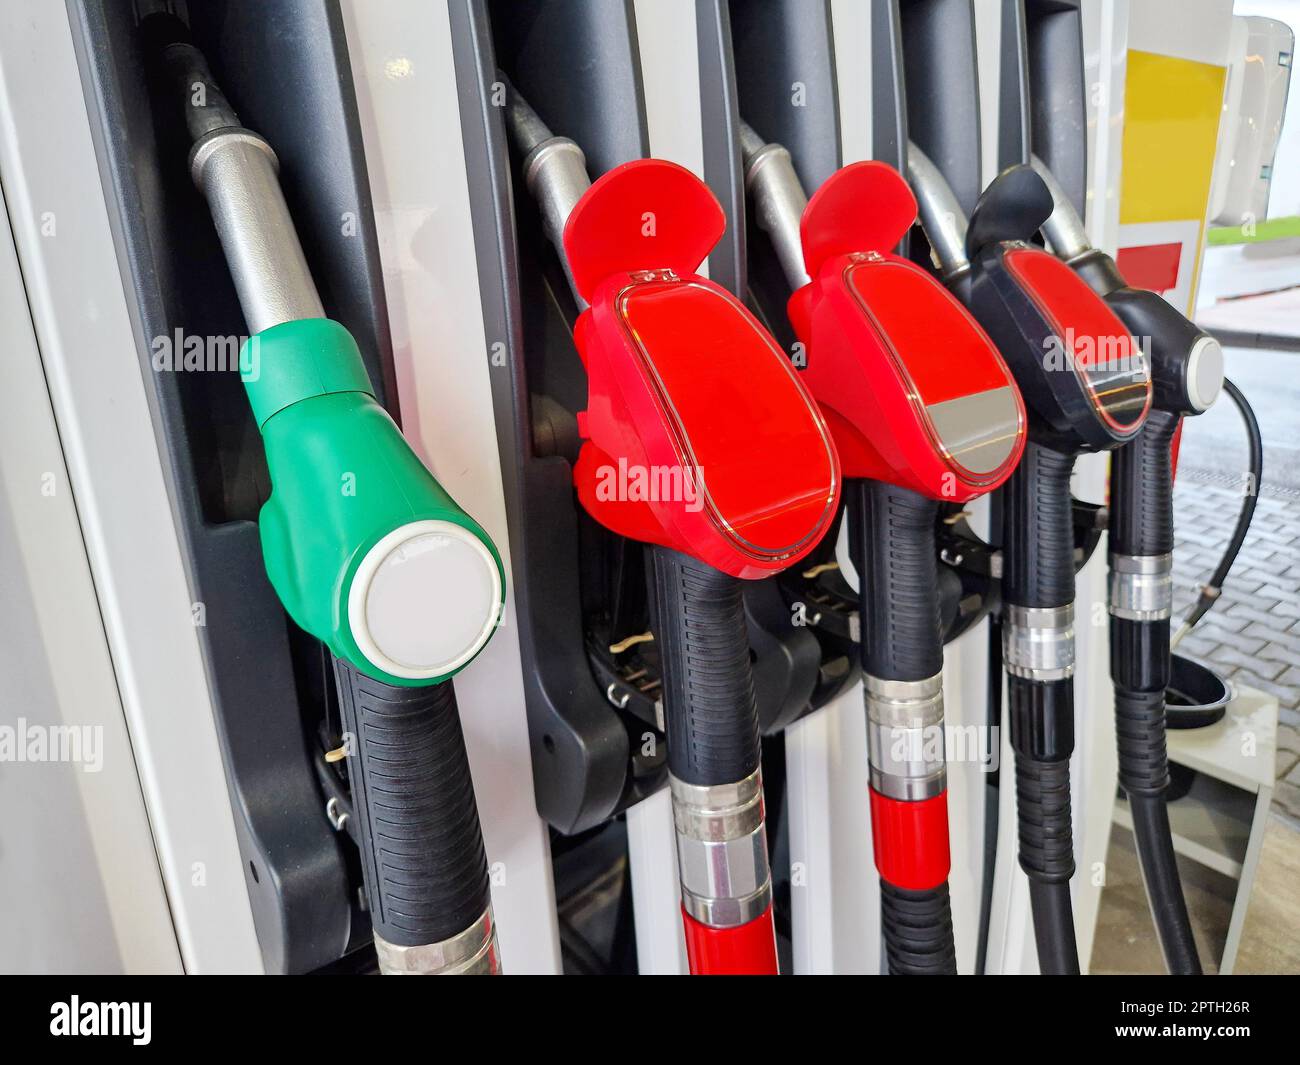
x,y
1270,942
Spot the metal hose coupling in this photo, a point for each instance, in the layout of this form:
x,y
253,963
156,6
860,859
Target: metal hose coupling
x,y
1064,230
554,169
722,850
1038,642
940,213
1142,586
905,741
238,173
472,952
779,201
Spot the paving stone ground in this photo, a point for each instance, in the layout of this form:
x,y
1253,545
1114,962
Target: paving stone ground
x,y
1252,635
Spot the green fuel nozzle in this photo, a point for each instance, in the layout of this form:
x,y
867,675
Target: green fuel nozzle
x,y
364,547
366,550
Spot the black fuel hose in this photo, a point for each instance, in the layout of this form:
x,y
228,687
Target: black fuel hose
x,y
902,636
711,723
422,857
1058,951
1213,587
1164,888
902,640
1038,597
711,720
1142,527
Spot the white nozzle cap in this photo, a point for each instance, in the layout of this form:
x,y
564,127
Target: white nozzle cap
x,y
424,600
1204,373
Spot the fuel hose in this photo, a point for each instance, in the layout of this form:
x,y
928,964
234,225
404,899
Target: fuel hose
x,y
1141,595
1038,650
902,662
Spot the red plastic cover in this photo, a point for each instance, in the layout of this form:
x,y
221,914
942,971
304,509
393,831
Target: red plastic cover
x,y
699,434
1105,358
915,392
910,840
746,950
647,214
861,207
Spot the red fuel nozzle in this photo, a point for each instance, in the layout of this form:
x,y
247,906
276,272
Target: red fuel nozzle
x,y
701,440
914,391
923,409
699,435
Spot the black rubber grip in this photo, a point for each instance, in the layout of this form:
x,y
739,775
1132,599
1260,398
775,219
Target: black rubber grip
x,y
1041,717
1043,815
1140,736
902,636
1139,654
1038,530
917,929
422,858
1141,490
698,619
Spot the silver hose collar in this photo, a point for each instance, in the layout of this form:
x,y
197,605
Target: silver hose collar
x,y
472,952
1142,586
555,173
237,172
905,737
722,850
1038,642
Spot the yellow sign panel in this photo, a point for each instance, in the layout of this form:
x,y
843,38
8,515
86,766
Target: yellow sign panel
x,y
1171,127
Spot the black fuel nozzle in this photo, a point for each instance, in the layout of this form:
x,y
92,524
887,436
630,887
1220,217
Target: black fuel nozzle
x,y
1186,362
1186,366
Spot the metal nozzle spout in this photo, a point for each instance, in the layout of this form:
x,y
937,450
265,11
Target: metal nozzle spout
x,y
526,127
750,142
555,171
941,214
238,174
1064,229
779,200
